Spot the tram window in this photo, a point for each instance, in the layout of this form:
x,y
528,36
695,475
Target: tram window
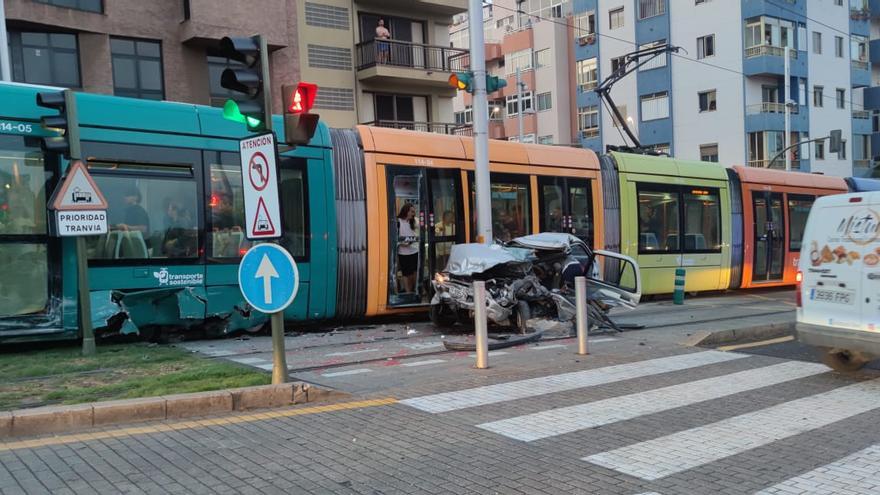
x,y
510,210
658,221
798,211
148,217
226,212
293,208
702,220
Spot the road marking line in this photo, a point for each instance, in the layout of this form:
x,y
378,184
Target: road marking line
x,y
688,449
502,392
249,361
748,345
186,425
552,346
555,422
424,363
855,473
347,372
349,353
491,353
423,346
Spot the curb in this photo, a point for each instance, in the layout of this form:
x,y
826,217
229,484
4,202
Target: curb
x,y
740,335
78,417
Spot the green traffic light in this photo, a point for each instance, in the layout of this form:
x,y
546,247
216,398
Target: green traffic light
x,y
233,113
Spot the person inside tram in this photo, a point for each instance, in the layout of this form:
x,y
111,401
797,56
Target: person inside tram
x,y
650,227
135,216
408,246
180,235
444,228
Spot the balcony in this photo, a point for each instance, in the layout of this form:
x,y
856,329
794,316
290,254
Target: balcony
x,y
435,127
861,114
414,64
767,60
860,74
770,116
435,7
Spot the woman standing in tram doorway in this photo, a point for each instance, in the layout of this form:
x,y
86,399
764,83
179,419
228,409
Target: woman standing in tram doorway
x,y
408,246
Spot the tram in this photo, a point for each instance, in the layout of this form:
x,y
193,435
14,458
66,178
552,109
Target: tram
x,y
171,175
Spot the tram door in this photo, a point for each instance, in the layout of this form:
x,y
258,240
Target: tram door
x,y
566,206
426,219
769,259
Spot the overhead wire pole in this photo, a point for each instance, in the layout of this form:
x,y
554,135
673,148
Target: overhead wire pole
x,y
787,109
519,104
5,70
481,123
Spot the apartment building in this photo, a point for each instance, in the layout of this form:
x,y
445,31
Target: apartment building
x,y
722,98
400,82
166,50
534,37
160,50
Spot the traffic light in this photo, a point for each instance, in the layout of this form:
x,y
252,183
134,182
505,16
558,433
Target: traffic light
x,y
835,141
64,123
252,80
494,83
299,123
462,81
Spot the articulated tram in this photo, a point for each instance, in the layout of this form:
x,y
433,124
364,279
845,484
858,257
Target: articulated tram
x,y
171,175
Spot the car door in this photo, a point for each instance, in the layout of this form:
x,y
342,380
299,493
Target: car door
x,y
614,279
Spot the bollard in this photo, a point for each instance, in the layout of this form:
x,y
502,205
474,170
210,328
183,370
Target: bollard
x,y
582,320
480,330
678,293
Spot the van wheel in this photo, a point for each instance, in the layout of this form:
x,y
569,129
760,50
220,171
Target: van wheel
x,y
844,360
521,316
442,316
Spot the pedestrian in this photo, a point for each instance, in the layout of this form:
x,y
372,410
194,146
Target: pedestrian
x,y
408,246
383,47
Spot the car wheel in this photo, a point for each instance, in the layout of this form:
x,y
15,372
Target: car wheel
x,y
521,316
844,360
442,316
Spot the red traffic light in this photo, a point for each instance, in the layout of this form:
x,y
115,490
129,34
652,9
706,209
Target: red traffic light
x,y
300,98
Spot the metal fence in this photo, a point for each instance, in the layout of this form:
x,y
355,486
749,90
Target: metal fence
x,y
435,127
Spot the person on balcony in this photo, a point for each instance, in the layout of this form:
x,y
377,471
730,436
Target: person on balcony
x,y
383,47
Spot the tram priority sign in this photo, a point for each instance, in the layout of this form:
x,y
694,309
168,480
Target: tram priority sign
x,y
268,278
80,208
259,177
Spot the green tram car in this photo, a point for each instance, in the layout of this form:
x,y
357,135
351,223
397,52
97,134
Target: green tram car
x,y
171,175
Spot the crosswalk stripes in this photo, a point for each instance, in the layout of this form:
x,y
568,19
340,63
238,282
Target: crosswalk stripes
x,y
533,387
688,449
546,424
855,473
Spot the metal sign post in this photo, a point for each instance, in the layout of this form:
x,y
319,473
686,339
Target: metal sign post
x,y
582,320
269,280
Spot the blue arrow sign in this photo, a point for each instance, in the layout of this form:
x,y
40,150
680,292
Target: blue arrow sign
x,y
268,278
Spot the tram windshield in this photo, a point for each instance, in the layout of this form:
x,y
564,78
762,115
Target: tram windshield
x,y
23,256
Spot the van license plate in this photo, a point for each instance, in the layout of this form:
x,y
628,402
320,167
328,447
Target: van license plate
x,y
832,296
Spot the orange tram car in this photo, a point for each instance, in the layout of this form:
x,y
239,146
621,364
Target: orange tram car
x,y
729,228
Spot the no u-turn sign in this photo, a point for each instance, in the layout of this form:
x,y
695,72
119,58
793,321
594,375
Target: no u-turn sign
x,y
259,177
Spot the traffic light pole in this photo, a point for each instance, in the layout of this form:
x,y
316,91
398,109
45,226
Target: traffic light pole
x,y
481,123
279,354
82,264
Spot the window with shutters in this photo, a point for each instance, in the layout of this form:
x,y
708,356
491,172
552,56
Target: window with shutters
x,y
655,106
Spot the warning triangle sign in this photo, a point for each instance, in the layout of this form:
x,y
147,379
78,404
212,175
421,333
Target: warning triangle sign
x,y
78,191
263,225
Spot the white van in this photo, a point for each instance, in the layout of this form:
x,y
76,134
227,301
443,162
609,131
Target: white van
x,y
838,294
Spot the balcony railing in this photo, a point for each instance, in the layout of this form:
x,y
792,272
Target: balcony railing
x,y
776,51
413,55
769,107
587,86
778,164
860,64
861,114
861,163
590,133
435,127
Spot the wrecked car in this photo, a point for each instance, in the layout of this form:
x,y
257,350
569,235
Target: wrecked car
x,y
532,277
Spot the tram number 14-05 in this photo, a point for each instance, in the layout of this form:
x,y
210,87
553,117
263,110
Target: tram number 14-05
x,y
17,127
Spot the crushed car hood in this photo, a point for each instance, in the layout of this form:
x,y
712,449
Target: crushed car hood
x,y
555,241
468,259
